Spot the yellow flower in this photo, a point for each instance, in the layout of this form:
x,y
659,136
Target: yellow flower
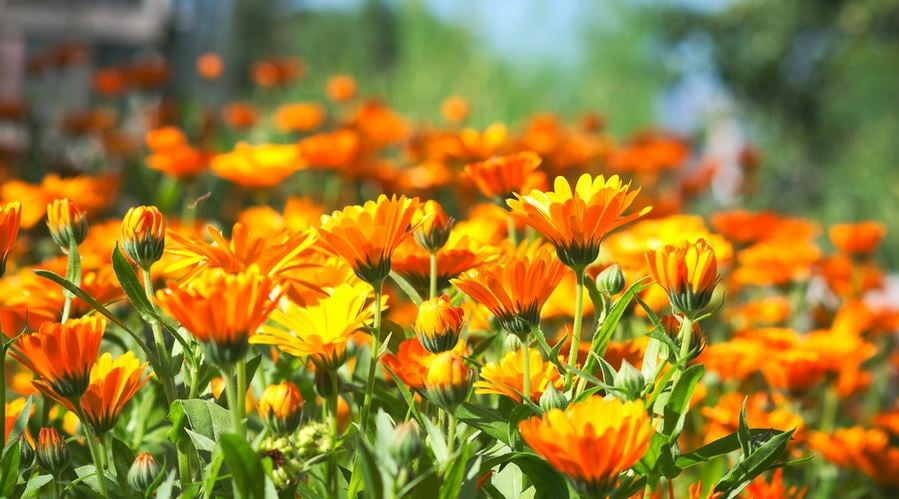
x,y
143,235
113,384
592,441
221,310
365,236
280,406
10,217
500,177
438,324
688,273
258,166
506,377
576,221
448,379
67,223
320,331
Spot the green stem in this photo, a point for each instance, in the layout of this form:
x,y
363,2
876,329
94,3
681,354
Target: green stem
x,y
235,407
510,228
686,338
73,274
829,407
332,459
432,290
55,482
576,327
451,434
96,455
3,347
526,367
241,395
168,384
373,364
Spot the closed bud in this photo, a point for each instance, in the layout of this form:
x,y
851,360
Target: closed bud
x,y
143,235
143,472
281,406
630,381
438,324
67,224
10,218
552,399
611,280
688,273
406,444
326,387
448,379
512,343
435,227
26,453
52,453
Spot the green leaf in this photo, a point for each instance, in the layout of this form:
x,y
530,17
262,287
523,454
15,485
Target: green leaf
x,y
247,473
203,421
604,331
717,448
547,482
374,485
760,461
406,287
404,391
132,285
437,441
451,487
122,457
35,484
485,419
167,488
19,425
9,470
676,408
743,431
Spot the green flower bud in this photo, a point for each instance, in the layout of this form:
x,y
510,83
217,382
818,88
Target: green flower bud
x,y
26,453
406,444
611,280
552,399
144,471
630,381
52,453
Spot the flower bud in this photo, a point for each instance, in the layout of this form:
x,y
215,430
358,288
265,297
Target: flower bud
x,y
67,223
611,280
10,217
281,407
143,472
52,453
143,235
435,227
552,399
26,453
630,381
406,444
438,324
512,343
448,379
324,385
688,273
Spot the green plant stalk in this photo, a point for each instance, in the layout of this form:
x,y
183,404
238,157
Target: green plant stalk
x,y
375,346
3,347
576,327
686,338
241,395
829,407
451,434
55,489
510,228
526,367
333,479
168,384
432,290
73,274
234,405
96,456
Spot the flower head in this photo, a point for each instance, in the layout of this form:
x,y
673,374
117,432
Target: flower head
x,y
62,355
434,230
365,236
857,239
67,223
51,451
500,177
341,88
221,310
320,331
258,166
10,217
688,273
576,221
281,407
113,383
506,377
438,324
448,379
143,235
516,288
592,441
143,471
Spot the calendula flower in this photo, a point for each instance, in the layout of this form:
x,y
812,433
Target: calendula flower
x,y
592,441
459,255
10,217
299,117
299,214
438,324
330,150
51,452
13,409
209,66
576,221
500,177
775,488
434,228
866,450
113,383
688,273
506,377
143,471
258,166
62,355
67,224
410,364
281,406
221,310
143,235
90,194
365,236
240,115
448,379
516,288
320,331
454,109
341,88
857,239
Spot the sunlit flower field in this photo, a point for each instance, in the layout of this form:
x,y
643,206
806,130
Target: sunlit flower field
x,y
328,299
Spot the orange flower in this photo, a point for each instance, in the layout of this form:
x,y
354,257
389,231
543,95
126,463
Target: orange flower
x,y
143,235
13,409
438,324
592,441
506,377
448,379
775,489
298,215
688,273
577,221
410,364
210,66
454,109
281,406
258,166
341,88
857,239
113,383
866,450
365,236
62,355
172,155
459,255
300,117
221,310
109,82
10,217
776,262
91,194
240,115
515,289
331,149
67,224
500,177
